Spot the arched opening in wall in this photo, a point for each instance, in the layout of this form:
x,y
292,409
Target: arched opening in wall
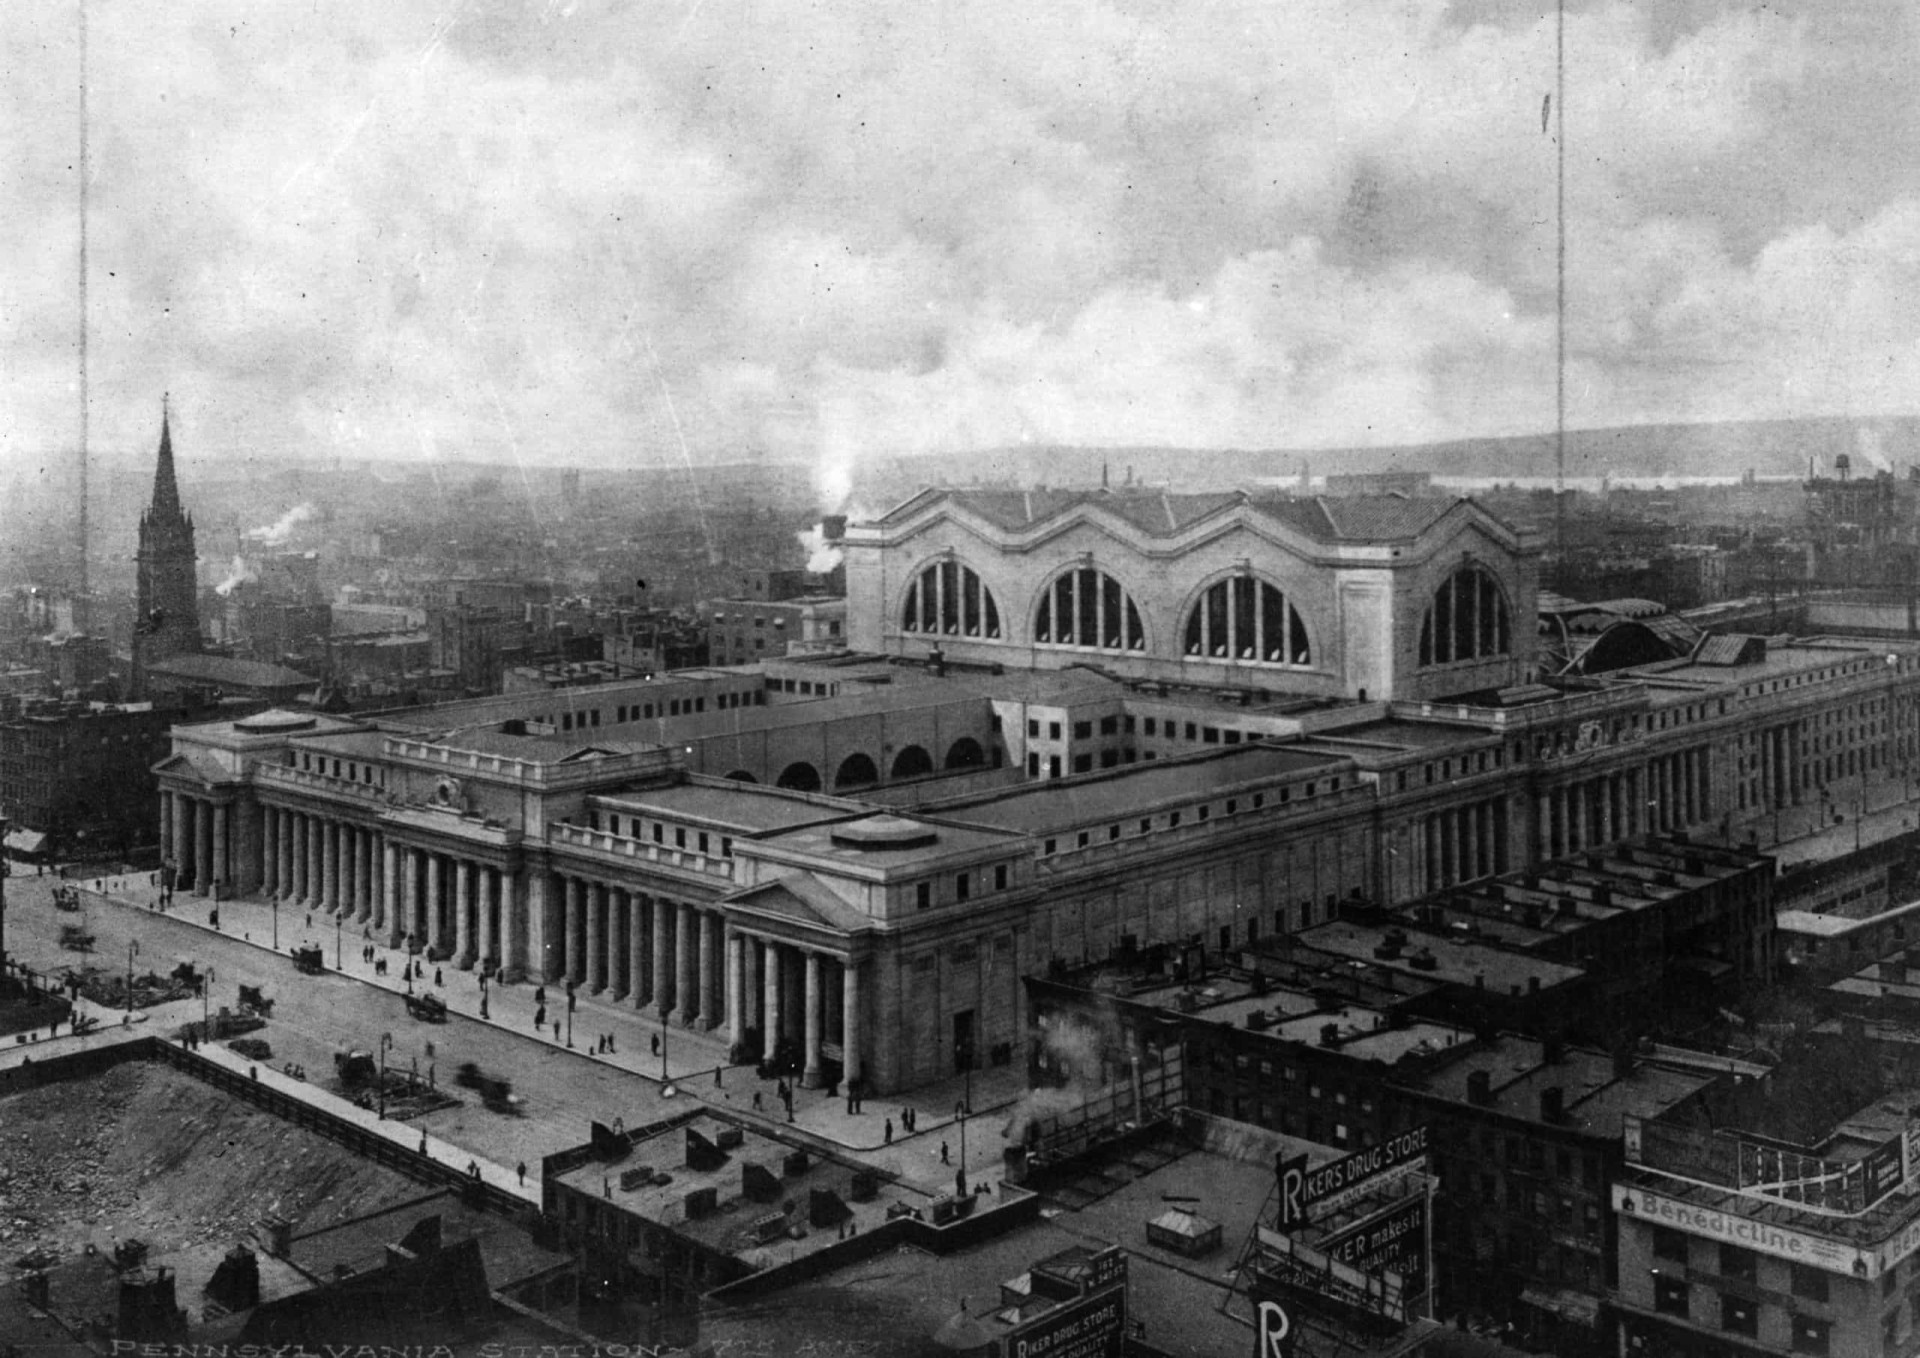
x,y
742,776
1468,619
948,599
1088,607
912,762
801,777
965,753
1248,620
856,771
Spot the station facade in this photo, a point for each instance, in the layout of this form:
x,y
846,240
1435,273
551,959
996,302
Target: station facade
x,y
1067,723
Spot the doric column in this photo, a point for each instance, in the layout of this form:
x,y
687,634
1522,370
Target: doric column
x,y
662,912
770,1028
518,951
686,988
363,875
593,903
462,913
573,965
637,959
436,915
222,873
329,864
850,1033
203,847
736,987
810,1077
316,861
182,834
409,923
349,868
270,866
284,847
490,901
389,920
709,967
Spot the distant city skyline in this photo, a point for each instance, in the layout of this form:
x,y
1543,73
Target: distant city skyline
x,y
593,234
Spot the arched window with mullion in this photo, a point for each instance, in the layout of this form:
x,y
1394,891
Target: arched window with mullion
x,y
1087,607
949,599
1246,619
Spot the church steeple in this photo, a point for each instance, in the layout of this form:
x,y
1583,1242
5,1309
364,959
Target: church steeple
x,y
166,621
166,491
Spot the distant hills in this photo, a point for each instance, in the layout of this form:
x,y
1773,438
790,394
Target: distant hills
x,y
1730,449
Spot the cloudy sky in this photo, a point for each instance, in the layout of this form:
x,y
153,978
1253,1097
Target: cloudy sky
x,y
601,232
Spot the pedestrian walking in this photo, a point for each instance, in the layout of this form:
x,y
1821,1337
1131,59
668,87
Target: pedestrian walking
x,y
945,1158
889,1131
523,1174
756,1101
656,1044
438,979
540,1017
556,1030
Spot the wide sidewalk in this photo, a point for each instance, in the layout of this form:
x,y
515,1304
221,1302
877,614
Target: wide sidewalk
x,y
693,1061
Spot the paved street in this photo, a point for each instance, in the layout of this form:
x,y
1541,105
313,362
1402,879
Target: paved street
x,y
565,1089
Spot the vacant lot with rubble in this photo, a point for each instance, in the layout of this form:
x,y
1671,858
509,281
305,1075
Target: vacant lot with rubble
x,y
146,1152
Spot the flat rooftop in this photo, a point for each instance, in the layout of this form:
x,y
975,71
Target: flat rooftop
x,y
1295,1016
1596,1096
740,806
1456,962
1401,734
1116,794
730,1227
937,841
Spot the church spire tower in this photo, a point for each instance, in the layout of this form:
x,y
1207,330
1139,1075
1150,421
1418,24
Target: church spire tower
x,y
166,618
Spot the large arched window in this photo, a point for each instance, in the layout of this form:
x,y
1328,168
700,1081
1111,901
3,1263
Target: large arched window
x,y
1242,618
1467,619
1087,607
947,599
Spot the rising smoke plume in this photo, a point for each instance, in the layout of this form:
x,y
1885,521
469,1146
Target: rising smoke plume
x,y
237,574
277,532
822,555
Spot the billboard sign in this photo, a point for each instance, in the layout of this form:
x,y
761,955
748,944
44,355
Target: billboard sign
x,y
1750,1233
1306,1194
1095,1326
1394,1239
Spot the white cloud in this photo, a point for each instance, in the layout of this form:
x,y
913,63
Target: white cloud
x,y
860,227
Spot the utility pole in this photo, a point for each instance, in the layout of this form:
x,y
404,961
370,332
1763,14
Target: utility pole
x,y
6,866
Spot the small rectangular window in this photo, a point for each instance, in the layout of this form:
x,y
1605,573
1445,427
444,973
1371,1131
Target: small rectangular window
x,y
1000,877
962,887
922,895
1810,1284
1671,1295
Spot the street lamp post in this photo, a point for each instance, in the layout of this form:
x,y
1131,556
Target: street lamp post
x,y
133,947
964,1052
337,920
386,1041
206,1006
276,923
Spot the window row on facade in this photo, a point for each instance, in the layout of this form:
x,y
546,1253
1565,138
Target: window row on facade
x,y
1242,619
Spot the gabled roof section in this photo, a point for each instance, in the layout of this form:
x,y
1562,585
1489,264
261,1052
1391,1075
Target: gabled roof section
x,y
197,767
1157,513
804,899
